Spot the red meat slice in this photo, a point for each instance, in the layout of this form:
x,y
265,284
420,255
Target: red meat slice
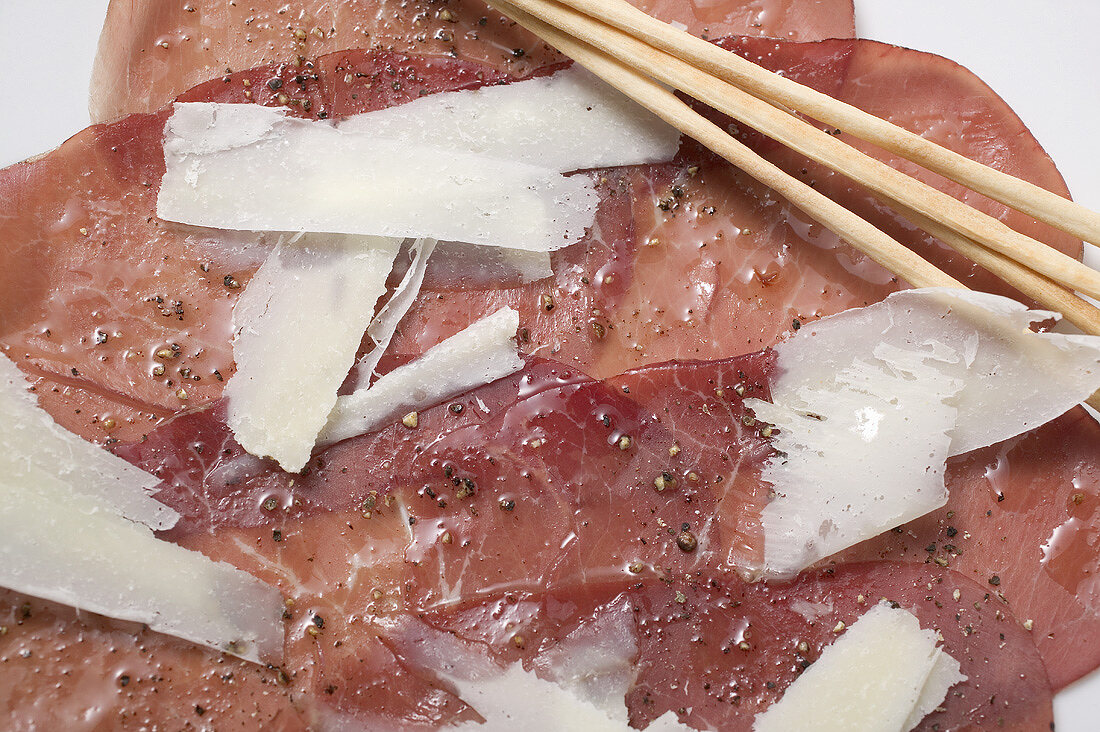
x,y
150,51
93,288
743,643
718,651
688,260
468,523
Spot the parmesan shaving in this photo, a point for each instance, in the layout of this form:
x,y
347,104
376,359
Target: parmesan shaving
x,y
384,325
67,549
76,527
482,353
36,451
1015,379
870,403
883,675
568,121
520,700
858,454
596,661
299,323
252,167
583,693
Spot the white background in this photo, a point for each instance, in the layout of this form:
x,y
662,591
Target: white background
x,y
1041,56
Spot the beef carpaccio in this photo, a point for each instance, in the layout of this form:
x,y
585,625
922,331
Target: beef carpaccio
x,y
516,522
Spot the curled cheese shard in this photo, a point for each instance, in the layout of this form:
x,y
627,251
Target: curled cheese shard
x,y
883,675
856,456
1015,379
568,121
481,353
384,324
299,323
39,452
253,168
870,403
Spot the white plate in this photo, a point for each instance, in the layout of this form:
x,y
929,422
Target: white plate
x,y
1040,56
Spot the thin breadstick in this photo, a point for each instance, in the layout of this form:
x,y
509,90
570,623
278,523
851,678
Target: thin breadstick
x,y
1019,194
876,244
1045,292
816,144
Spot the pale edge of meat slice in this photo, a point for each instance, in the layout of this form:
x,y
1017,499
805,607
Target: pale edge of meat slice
x,y
479,354
885,674
70,532
870,403
298,325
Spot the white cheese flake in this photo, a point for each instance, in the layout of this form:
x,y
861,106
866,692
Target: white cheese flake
x,y
36,450
481,353
520,700
299,323
870,403
68,550
253,167
384,325
883,675
858,454
1015,379
567,121
76,528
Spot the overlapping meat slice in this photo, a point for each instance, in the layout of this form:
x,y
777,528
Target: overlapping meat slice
x,y
762,267
506,518
746,644
591,482
723,266
688,260
150,52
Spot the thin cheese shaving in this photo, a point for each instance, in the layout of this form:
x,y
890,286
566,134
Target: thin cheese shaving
x,y
385,323
76,527
568,121
252,167
299,323
37,451
857,454
870,403
65,548
481,353
520,700
1015,379
883,675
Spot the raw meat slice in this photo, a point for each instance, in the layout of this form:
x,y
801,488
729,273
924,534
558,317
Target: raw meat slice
x,y
547,500
712,462
54,292
752,641
150,51
728,244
